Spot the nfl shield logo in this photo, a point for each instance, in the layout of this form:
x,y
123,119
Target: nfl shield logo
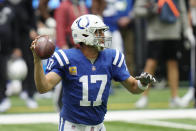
x,y
93,68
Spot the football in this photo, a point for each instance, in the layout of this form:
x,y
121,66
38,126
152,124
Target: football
x,y
44,47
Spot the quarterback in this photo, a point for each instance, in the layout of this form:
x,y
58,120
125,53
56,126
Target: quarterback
x,y
86,73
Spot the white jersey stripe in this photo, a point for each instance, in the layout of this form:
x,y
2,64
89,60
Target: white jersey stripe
x,y
121,61
64,56
58,59
62,128
116,57
61,123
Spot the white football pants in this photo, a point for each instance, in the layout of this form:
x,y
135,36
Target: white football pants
x,y
69,126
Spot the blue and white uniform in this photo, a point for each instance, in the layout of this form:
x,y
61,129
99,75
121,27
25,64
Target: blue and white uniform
x,y
85,85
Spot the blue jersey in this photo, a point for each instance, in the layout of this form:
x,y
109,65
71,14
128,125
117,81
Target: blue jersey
x,y
85,85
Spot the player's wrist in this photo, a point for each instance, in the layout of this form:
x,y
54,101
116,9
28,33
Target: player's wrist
x,y
36,59
141,86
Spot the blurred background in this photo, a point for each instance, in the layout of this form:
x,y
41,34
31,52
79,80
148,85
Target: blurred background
x,y
137,30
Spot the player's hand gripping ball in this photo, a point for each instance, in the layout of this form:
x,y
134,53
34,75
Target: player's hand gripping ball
x,y
44,47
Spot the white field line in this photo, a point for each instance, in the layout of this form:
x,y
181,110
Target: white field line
x,y
134,116
150,114
29,118
167,124
148,117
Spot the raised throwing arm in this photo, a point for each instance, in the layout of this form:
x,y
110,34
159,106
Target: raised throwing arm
x,y
44,83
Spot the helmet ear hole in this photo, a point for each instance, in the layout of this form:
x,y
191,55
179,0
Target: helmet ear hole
x,y
85,35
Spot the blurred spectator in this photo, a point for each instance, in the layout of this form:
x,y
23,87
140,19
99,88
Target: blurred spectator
x,y
45,12
163,39
189,96
110,17
109,10
6,39
46,23
46,8
193,14
126,26
117,14
24,32
88,4
67,12
98,6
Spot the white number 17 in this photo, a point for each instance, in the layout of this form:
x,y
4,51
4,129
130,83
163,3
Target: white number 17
x,y
93,79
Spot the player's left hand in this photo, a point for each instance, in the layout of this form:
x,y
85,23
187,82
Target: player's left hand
x,y
146,78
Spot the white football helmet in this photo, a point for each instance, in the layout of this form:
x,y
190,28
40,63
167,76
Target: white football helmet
x,y
17,69
83,31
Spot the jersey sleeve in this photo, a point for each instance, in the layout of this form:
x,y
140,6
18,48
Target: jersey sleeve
x,y
119,68
57,63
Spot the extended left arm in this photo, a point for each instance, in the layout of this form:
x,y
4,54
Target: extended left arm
x,y
138,84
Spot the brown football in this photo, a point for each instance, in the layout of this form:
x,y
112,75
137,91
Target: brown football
x,y
44,47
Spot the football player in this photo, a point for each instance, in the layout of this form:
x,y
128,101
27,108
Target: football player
x,y
86,73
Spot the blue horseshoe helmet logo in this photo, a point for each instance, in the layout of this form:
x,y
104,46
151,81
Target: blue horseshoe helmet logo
x,y
86,24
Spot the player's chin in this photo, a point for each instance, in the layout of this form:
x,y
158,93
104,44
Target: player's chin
x,y
99,48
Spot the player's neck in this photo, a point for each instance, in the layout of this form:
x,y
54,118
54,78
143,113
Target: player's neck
x,y
90,52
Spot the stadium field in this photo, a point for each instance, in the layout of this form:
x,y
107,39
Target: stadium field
x,y
120,99
121,102
111,126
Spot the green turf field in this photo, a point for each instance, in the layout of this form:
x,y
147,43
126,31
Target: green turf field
x,y
184,121
110,126
120,99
